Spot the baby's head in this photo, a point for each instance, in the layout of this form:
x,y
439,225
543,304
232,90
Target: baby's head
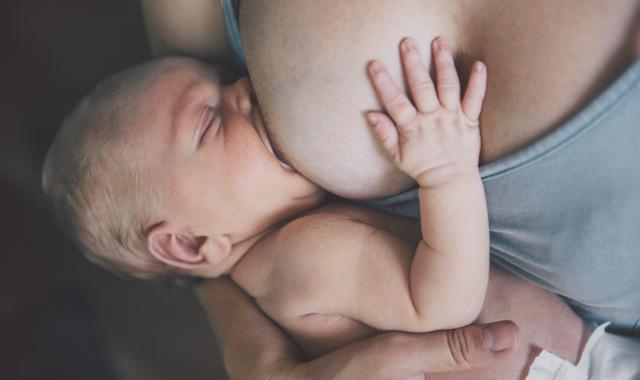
x,y
161,170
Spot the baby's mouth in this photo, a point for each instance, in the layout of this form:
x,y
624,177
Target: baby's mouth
x,y
258,122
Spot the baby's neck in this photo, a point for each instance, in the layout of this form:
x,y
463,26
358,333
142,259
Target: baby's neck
x,y
252,267
238,257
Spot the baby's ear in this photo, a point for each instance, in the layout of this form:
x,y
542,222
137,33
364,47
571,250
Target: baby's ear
x,y
215,249
182,250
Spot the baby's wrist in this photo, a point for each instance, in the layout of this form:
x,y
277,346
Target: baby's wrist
x,y
446,175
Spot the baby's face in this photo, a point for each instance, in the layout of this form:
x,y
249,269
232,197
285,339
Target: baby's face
x,y
210,153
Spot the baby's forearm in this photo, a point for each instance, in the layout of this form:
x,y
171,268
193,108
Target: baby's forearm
x,y
449,272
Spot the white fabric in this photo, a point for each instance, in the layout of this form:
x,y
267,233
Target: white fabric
x,y
605,356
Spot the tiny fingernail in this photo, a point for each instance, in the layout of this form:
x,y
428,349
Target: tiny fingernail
x,y
497,338
478,67
442,44
375,67
373,119
409,44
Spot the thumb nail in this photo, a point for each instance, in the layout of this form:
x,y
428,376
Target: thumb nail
x,y
498,337
373,119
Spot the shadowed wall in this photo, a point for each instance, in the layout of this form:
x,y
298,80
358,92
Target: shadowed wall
x,y
60,317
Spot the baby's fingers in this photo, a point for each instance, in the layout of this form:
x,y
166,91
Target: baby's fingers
x,y
420,83
395,102
448,83
385,132
476,90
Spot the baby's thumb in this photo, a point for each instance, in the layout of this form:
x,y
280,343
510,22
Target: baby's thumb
x,y
385,131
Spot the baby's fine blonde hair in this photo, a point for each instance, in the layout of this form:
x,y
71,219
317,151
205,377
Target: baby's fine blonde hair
x,y
100,186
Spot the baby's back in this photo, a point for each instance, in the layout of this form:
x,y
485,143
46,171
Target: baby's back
x,y
323,261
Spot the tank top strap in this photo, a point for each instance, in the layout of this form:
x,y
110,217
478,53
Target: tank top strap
x,y
233,32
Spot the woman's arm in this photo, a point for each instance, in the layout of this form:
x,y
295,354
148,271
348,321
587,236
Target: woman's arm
x,y
187,27
254,348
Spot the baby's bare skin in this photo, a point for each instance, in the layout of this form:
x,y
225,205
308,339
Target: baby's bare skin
x,y
299,273
545,60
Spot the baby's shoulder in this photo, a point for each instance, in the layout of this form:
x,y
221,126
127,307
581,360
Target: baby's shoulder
x,y
330,245
340,221
311,254
337,234
323,228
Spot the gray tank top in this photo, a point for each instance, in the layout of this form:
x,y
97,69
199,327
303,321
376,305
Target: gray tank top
x,y
564,212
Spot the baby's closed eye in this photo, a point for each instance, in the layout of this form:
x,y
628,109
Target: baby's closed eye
x,y
209,123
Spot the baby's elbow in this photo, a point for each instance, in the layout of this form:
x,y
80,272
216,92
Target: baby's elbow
x,y
464,314
454,316
467,317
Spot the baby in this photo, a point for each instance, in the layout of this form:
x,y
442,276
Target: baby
x,y
162,171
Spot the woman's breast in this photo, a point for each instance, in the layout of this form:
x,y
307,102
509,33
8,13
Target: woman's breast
x,y
307,62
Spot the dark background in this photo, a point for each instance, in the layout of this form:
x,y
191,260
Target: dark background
x,y
60,317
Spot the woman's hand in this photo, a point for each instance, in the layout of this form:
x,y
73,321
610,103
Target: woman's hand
x,y
254,348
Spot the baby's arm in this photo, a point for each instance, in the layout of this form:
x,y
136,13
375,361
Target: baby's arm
x,y
436,140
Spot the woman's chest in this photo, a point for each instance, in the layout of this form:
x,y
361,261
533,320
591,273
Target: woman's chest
x,y
546,60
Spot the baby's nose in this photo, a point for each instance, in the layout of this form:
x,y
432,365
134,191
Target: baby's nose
x,y
245,105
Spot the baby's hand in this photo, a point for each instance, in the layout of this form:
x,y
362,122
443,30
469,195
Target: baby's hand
x,y
435,137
